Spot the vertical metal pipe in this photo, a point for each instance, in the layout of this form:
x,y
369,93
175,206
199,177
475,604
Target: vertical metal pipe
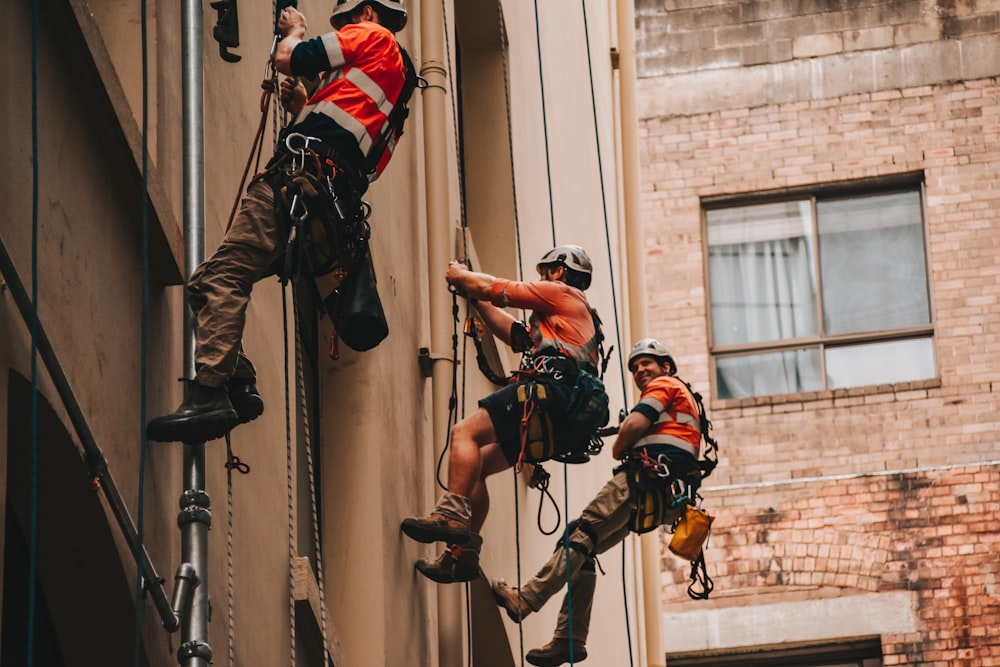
x,y
195,516
439,250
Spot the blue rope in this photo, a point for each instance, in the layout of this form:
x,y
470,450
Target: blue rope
x,y
33,529
144,340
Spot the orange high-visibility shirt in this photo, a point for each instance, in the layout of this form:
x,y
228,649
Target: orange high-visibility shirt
x,y
561,317
671,407
364,77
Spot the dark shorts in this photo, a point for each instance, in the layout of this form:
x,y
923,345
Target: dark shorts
x,y
505,412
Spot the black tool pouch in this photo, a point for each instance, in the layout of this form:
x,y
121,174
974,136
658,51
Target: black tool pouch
x,y
355,307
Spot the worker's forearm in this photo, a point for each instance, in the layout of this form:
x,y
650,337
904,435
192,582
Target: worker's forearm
x,y
629,432
496,319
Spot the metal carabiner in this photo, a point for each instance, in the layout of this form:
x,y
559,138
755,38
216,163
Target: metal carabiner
x,y
662,469
299,152
298,202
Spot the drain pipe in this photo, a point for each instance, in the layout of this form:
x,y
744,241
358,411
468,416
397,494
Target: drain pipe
x,y
649,581
434,69
195,517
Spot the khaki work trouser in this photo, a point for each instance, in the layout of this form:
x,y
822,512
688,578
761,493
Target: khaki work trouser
x,y
219,290
608,515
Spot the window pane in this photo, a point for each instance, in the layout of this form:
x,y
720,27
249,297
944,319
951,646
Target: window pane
x,y
763,287
872,263
766,374
880,363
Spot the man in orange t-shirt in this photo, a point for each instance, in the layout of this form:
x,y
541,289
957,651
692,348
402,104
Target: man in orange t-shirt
x,y
562,329
665,422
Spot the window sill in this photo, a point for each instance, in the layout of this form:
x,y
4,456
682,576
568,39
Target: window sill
x,y
824,395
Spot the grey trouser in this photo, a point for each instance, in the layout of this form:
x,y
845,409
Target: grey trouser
x,y
608,515
219,290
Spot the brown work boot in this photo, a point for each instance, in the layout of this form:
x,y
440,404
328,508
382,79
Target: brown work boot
x,y
555,653
454,565
437,527
516,606
205,414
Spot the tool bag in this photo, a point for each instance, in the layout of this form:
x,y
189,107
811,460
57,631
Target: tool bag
x,y
355,307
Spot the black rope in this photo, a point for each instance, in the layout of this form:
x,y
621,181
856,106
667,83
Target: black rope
x,y
453,400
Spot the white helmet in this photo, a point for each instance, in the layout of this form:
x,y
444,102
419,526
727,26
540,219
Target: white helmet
x,y
650,347
394,18
572,257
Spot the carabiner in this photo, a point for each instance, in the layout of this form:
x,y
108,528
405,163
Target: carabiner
x,y
662,469
298,202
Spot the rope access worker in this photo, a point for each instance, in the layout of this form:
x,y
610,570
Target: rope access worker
x,y
563,339
665,422
341,139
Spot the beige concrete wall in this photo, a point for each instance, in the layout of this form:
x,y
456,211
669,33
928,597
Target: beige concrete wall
x,y
377,455
873,490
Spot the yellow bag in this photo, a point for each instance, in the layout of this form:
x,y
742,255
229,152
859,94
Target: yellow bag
x,y
691,532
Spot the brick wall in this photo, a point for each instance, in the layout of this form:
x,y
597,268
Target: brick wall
x,y
930,524
675,36
933,533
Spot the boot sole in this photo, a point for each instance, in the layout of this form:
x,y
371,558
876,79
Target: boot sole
x,y
437,577
555,660
202,428
427,535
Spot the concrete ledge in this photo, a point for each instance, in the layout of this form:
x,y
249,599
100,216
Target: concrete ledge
x,y
772,625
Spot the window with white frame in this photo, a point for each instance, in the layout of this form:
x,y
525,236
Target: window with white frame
x,y
820,290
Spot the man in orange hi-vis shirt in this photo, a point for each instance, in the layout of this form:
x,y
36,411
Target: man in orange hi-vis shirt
x,y
665,427
562,340
341,139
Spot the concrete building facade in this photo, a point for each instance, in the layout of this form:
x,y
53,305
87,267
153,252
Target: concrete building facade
x,y
515,144
856,507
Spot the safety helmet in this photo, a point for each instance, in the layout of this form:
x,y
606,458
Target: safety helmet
x,y
572,257
650,347
393,18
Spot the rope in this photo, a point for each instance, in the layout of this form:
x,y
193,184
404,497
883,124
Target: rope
x,y
33,529
230,587
453,399
144,339
545,125
289,477
604,201
310,472
517,548
628,629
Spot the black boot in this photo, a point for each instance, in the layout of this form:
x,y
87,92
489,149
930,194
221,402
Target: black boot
x,y
205,414
242,390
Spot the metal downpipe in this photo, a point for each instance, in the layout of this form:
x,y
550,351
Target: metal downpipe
x,y
434,69
648,583
195,516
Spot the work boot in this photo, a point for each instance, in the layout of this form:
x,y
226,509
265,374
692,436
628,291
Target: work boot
x,y
455,564
245,398
437,527
556,652
205,414
517,607
242,390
